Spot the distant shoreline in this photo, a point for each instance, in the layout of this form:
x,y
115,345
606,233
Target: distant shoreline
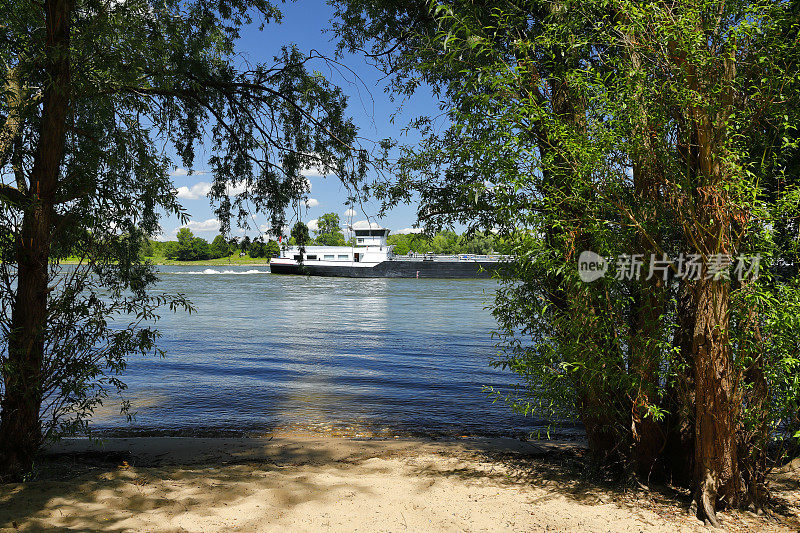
x,y
240,261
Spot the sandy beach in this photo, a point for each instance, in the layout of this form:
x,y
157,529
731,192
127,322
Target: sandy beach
x,y
310,483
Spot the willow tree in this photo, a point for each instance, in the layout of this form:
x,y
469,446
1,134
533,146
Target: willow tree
x,y
631,130
93,93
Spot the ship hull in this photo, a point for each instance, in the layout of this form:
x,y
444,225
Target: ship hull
x,y
393,269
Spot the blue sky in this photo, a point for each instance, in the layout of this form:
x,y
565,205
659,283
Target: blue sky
x,y
303,24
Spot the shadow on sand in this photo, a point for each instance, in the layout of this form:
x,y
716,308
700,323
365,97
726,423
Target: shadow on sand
x,y
177,484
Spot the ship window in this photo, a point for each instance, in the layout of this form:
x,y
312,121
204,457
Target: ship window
x,y
311,257
362,233
360,241
344,257
328,256
297,258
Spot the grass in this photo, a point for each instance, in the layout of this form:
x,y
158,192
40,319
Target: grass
x,y
222,261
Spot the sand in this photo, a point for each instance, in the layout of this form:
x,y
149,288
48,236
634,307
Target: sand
x,y
309,483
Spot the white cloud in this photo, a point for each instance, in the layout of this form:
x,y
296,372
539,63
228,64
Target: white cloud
x,y
236,188
313,224
267,231
406,231
314,168
312,202
349,213
160,237
212,224
313,171
201,188
185,172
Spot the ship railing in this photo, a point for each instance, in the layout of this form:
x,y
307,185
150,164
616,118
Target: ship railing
x,y
451,257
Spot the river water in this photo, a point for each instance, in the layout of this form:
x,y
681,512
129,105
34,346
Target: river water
x,y
266,352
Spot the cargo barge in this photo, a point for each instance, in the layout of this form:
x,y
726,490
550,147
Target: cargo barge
x,y
372,257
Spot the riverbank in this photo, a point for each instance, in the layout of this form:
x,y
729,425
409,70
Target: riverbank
x,y
311,483
223,261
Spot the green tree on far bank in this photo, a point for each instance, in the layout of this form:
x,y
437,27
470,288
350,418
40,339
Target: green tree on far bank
x,y
200,249
185,250
268,249
220,247
400,243
445,242
191,248
300,234
256,248
147,249
170,250
329,233
441,243
272,249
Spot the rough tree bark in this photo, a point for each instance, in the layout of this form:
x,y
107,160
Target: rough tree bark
x,y
708,226
717,479
20,427
15,101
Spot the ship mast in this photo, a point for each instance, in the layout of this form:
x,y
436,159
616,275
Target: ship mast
x,y
350,211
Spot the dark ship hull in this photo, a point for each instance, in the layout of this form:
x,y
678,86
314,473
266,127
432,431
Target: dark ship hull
x,y
393,269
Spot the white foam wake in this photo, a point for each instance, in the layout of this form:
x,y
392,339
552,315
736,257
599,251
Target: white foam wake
x,y
213,271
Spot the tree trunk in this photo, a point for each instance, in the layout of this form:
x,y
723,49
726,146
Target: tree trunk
x,y
678,453
594,403
717,478
647,307
606,448
647,435
20,427
15,102
754,444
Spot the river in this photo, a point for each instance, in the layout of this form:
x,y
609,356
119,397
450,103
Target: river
x,y
356,357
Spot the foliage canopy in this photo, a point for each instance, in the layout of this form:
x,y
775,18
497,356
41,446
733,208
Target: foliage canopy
x,y
94,92
621,128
